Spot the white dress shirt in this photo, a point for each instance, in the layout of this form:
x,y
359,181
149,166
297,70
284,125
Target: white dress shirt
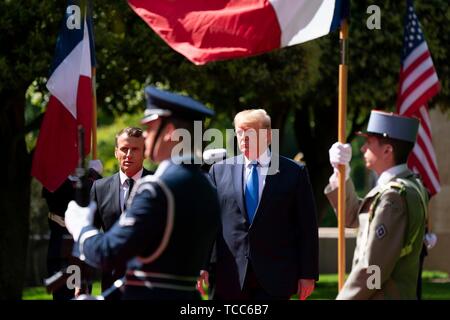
x,y
390,173
124,187
262,168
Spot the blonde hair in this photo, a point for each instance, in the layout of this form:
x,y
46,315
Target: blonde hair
x,y
253,116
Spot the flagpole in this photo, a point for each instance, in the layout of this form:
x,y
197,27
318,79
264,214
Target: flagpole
x,y
94,115
343,36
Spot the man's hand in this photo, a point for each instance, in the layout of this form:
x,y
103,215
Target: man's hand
x,y
77,217
203,279
340,154
305,288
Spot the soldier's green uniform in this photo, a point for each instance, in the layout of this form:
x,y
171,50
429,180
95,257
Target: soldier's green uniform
x,y
391,222
391,217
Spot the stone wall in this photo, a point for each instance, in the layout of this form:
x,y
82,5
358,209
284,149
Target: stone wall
x,y
439,257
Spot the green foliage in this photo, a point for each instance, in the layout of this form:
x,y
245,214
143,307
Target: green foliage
x,y
40,293
435,287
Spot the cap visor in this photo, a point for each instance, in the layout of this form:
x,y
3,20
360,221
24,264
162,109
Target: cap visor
x,y
149,118
362,134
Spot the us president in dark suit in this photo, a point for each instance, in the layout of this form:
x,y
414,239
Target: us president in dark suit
x,y
267,247
111,193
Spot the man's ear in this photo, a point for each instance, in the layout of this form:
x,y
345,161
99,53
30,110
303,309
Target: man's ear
x,y
388,149
115,153
389,152
269,136
168,131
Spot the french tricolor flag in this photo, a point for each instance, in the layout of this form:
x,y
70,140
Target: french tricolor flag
x,y
209,30
71,100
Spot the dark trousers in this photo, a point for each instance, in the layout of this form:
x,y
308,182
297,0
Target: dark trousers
x,y
58,258
108,279
252,290
423,254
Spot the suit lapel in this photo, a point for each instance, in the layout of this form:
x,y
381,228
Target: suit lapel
x,y
238,178
116,193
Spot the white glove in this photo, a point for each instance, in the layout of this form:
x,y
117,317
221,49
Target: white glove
x,y
340,154
96,165
430,240
79,217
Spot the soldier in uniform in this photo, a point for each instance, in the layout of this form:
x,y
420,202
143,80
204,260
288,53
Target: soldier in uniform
x,y
172,217
390,218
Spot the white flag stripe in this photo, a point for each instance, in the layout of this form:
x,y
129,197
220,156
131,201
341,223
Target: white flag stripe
x,y
417,52
427,141
63,83
420,90
425,117
85,66
303,20
424,66
418,152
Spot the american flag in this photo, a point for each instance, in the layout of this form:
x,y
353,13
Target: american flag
x,y
418,84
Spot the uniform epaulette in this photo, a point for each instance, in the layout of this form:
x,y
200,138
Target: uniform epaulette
x,y
392,185
144,183
395,185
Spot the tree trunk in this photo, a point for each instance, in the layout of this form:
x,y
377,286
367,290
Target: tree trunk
x,y
14,197
314,142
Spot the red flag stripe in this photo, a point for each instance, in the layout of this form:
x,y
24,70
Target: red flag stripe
x,y
425,120
415,54
410,87
56,150
430,181
422,142
424,92
406,72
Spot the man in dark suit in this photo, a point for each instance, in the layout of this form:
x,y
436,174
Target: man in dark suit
x,y
172,217
267,247
110,194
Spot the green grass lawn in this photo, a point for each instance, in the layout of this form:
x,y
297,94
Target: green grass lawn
x,y
436,286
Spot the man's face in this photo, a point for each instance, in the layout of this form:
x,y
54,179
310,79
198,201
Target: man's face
x,y
253,140
375,154
130,154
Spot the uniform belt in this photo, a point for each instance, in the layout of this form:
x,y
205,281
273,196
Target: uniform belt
x,y
57,219
160,280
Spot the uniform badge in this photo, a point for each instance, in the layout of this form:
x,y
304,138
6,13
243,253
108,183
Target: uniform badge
x,y
380,231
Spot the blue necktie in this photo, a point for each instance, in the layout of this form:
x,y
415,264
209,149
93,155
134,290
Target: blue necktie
x,y
251,191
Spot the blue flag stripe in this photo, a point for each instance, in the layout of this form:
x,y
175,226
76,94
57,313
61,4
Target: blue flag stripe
x,y
68,39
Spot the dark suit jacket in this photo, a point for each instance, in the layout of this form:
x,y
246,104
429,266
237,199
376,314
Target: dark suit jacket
x,y
106,193
282,242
